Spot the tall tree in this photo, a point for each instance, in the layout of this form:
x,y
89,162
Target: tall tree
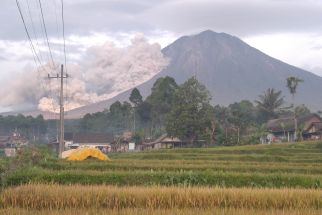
x,y
116,116
302,110
136,99
242,116
222,115
161,99
269,103
292,83
190,114
127,112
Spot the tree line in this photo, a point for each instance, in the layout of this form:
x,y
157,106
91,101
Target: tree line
x,y
32,128
185,111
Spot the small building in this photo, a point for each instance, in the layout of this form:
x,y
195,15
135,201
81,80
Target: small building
x,y
14,138
10,143
283,129
4,141
120,147
123,143
100,141
10,151
164,142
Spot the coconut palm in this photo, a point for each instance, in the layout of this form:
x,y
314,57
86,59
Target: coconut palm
x,y
292,83
270,102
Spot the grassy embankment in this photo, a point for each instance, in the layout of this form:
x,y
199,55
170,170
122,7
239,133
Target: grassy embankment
x,y
287,165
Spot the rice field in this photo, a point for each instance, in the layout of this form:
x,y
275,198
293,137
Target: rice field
x,y
78,197
260,179
92,211
280,165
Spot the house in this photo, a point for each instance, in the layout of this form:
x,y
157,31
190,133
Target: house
x,y
164,142
123,143
5,140
282,129
76,140
10,143
120,147
87,139
15,139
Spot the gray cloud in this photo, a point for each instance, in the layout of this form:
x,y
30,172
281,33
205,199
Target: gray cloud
x,y
106,71
81,17
242,17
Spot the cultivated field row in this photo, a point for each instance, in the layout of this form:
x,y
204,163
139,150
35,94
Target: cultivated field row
x,y
34,197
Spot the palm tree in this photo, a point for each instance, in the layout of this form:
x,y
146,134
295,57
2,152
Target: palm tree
x,y
270,102
292,83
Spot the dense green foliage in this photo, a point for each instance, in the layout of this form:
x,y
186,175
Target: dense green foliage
x,y
184,111
269,103
190,116
33,128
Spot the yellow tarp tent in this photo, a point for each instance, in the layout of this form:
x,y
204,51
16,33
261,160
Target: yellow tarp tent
x,y
67,153
84,153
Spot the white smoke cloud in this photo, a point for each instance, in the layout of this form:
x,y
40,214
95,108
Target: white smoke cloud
x,y
103,73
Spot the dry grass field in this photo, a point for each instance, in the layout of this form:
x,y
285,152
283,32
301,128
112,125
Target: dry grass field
x,y
262,179
129,200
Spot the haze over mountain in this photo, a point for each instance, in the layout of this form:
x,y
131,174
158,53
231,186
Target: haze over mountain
x,y
229,68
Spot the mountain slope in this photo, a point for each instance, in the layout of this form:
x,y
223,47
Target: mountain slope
x,y
230,69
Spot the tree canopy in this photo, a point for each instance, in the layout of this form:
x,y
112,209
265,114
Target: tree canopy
x,y
270,102
292,83
136,97
190,114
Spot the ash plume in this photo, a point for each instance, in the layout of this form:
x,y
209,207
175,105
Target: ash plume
x,y
102,73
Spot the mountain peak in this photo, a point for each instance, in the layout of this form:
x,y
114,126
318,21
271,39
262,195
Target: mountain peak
x,y
213,33
229,68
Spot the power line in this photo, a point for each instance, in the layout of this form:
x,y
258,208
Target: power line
x,y
65,57
34,30
58,31
42,29
63,21
36,57
56,17
44,24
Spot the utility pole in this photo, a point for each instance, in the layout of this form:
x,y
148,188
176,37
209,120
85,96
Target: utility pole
x,y
61,109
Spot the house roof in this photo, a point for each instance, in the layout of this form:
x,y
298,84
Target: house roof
x,y
92,138
165,139
287,124
68,136
171,140
317,126
157,140
4,138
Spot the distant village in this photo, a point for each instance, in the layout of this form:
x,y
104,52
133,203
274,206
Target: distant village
x,y
278,131
170,118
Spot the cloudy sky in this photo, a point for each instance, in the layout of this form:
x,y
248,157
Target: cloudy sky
x,y
290,30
